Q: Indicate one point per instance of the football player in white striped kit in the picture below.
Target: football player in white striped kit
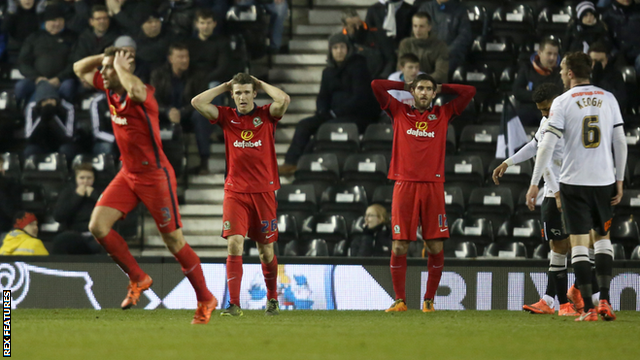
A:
(589, 120)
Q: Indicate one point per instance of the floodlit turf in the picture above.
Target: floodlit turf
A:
(167, 334)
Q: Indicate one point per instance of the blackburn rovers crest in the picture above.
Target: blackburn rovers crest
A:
(257, 121)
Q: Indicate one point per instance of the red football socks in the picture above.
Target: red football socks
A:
(399, 275)
(434, 265)
(234, 278)
(192, 269)
(119, 252)
(270, 272)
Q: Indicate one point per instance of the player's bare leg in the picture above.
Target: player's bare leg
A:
(399, 249)
(190, 263)
(604, 273)
(235, 247)
(101, 226)
(270, 271)
(435, 265)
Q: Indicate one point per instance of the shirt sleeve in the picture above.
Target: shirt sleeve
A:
(98, 81)
(268, 114)
(222, 115)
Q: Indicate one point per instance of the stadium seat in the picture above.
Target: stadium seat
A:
(480, 76)
(516, 178)
(337, 138)
(321, 170)
(513, 19)
(464, 171)
(553, 20)
(631, 84)
(542, 251)
(33, 199)
(495, 204)
(523, 212)
(251, 249)
(49, 227)
(531, 132)
(298, 201)
(11, 166)
(378, 139)
(330, 228)
(624, 231)
(366, 170)
(48, 170)
(477, 230)
(452, 148)
(506, 78)
(348, 201)
(383, 195)
(480, 140)
(478, 18)
(527, 231)
(460, 249)
(629, 204)
(497, 52)
(618, 252)
(103, 167)
(287, 229)
(453, 203)
(468, 116)
(635, 255)
(315, 247)
(511, 250)
(491, 110)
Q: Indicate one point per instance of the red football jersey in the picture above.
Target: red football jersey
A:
(250, 149)
(137, 129)
(420, 139)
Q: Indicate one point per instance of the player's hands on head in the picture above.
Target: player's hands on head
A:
(123, 59)
(532, 196)
(174, 115)
(498, 172)
(407, 86)
(616, 199)
(258, 82)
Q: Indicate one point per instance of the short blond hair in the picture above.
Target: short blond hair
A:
(380, 211)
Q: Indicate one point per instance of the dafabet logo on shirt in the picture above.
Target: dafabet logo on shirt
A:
(421, 130)
(115, 118)
(247, 135)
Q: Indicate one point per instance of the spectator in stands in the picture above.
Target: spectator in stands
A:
(586, 29)
(450, 23)
(46, 56)
(409, 69)
(623, 21)
(432, 52)
(364, 43)
(178, 15)
(543, 67)
(10, 200)
(605, 74)
(152, 43)
(129, 14)
(345, 96)
(211, 53)
(76, 14)
(375, 239)
(104, 142)
(278, 11)
(49, 123)
(20, 21)
(22, 239)
(73, 211)
(390, 30)
(141, 67)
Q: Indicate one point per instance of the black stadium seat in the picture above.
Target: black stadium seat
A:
(316, 247)
(460, 249)
(480, 140)
(479, 231)
(330, 228)
(495, 204)
(320, 170)
(337, 138)
(453, 203)
(497, 52)
(48, 170)
(298, 201)
(511, 250)
(553, 20)
(624, 231)
(480, 76)
(368, 171)
(33, 199)
(348, 201)
(11, 166)
(516, 20)
(527, 231)
(516, 178)
(464, 171)
(287, 230)
(378, 139)
(383, 195)
(478, 18)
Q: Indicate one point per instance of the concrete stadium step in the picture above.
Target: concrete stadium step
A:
(345, 3)
(204, 196)
(309, 46)
(300, 89)
(298, 104)
(311, 74)
(330, 17)
(202, 253)
(193, 240)
(202, 226)
(217, 164)
(218, 148)
(292, 119)
(300, 59)
(200, 210)
(317, 29)
(217, 181)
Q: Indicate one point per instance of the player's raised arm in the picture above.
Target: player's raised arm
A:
(465, 94)
(86, 68)
(280, 98)
(136, 89)
(202, 102)
(380, 88)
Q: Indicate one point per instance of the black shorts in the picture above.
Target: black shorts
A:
(552, 224)
(587, 207)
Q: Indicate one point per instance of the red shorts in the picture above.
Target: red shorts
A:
(157, 191)
(418, 203)
(250, 214)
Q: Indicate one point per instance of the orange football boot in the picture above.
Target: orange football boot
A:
(397, 305)
(590, 315)
(567, 310)
(575, 297)
(540, 307)
(605, 310)
(134, 291)
(204, 310)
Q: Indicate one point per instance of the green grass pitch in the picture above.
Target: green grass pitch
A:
(307, 335)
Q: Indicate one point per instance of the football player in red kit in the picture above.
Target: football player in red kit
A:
(249, 206)
(146, 176)
(417, 166)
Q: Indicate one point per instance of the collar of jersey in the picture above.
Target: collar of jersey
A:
(249, 113)
(123, 96)
(430, 108)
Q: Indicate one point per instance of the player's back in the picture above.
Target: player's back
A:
(136, 128)
(586, 115)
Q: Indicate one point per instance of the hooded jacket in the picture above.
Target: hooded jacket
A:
(529, 78)
(624, 27)
(345, 88)
(18, 242)
(374, 241)
(433, 54)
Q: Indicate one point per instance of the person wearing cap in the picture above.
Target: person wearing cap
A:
(586, 29)
(128, 14)
(152, 42)
(20, 21)
(46, 56)
(94, 40)
(345, 97)
(365, 43)
(623, 20)
(49, 123)
(22, 239)
(141, 67)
